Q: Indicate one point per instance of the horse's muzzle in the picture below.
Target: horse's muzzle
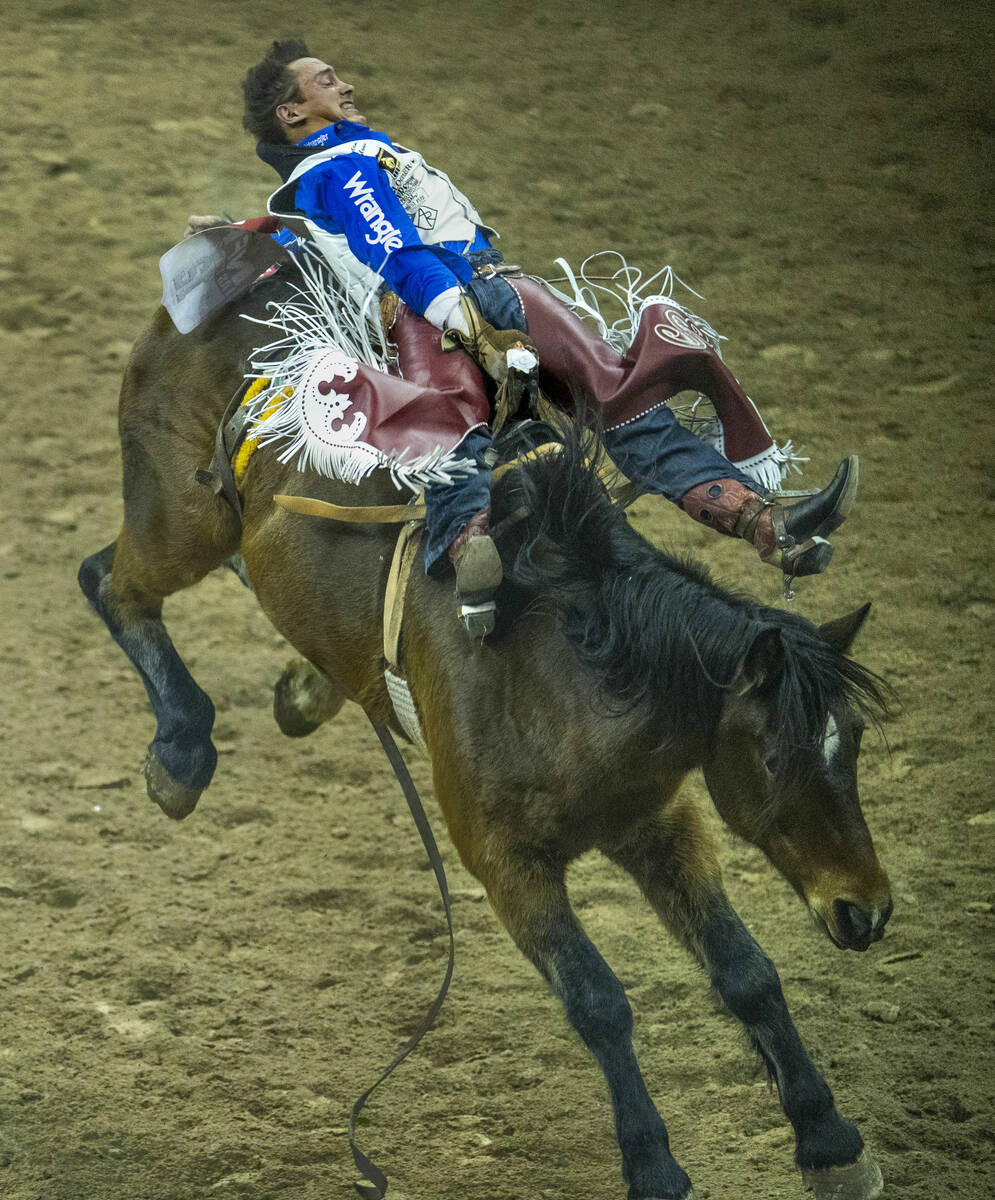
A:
(857, 928)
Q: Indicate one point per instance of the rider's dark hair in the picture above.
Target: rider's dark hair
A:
(268, 84)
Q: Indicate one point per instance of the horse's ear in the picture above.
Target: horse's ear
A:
(763, 663)
(842, 632)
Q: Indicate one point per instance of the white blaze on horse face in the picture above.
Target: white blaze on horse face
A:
(830, 740)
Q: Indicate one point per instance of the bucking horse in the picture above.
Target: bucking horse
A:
(614, 671)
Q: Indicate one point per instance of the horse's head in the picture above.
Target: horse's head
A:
(786, 779)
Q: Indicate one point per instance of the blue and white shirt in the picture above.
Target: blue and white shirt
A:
(379, 212)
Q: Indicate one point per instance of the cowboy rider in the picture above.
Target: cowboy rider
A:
(427, 243)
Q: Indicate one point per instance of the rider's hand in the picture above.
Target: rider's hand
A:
(494, 350)
(196, 223)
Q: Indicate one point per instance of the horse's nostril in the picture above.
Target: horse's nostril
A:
(854, 923)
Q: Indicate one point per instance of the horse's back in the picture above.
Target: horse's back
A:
(321, 583)
(174, 394)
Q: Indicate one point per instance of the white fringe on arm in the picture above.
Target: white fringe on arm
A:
(323, 332)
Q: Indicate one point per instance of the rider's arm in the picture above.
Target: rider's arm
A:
(349, 194)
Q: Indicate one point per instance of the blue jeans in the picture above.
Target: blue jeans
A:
(655, 451)
(450, 506)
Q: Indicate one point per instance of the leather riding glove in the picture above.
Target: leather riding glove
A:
(496, 351)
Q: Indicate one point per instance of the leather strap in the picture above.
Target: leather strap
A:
(220, 477)
(376, 1186)
(749, 515)
(405, 552)
(621, 490)
(375, 514)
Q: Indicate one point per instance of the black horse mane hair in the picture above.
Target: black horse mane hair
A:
(655, 630)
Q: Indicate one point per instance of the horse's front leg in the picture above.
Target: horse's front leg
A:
(828, 1149)
(672, 860)
(532, 903)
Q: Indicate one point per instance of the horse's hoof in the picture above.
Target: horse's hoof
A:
(175, 799)
(303, 699)
(858, 1181)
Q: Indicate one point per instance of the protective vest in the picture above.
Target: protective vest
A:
(437, 208)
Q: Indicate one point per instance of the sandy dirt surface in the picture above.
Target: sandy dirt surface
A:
(189, 1010)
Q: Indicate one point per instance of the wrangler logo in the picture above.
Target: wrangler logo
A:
(382, 232)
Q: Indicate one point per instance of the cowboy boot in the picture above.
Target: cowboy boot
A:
(790, 537)
(477, 565)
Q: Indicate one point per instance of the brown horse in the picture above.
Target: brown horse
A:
(614, 671)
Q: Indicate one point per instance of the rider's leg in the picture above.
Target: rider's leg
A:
(663, 456)
(791, 537)
(456, 517)
(454, 507)
(577, 364)
(667, 458)
(651, 446)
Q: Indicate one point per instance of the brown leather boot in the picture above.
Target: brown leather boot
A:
(790, 537)
(477, 565)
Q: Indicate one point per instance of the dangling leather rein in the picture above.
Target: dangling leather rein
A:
(376, 1186)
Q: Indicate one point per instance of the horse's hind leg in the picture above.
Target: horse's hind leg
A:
(122, 589)
(303, 698)
(532, 903)
(672, 860)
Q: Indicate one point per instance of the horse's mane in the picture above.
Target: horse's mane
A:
(655, 631)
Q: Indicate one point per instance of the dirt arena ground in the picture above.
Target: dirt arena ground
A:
(190, 1010)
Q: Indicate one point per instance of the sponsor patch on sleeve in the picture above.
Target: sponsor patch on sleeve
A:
(387, 162)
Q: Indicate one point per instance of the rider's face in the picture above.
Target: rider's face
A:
(325, 99)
